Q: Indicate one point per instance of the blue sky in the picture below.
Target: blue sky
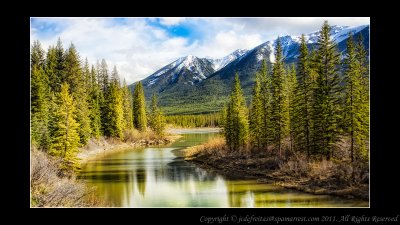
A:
(140, 46)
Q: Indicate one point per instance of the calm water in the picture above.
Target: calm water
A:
(158, 177)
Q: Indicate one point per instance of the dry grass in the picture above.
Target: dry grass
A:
(335, 172)
(215, 147)
(50, 188)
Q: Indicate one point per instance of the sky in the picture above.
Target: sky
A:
(141, 46)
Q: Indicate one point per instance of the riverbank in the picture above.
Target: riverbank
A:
(315, 177)
(104, 146)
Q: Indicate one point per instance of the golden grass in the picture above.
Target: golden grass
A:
(214, 147)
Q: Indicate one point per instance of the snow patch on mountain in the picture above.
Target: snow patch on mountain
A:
(222, 62)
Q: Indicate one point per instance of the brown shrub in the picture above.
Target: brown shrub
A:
(296, 166)
(50, 188)
(133, 135)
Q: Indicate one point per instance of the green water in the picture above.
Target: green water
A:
(158, 177)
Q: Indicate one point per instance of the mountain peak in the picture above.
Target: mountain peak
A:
(222, 62)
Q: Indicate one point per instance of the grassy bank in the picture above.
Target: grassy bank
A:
(313, 175)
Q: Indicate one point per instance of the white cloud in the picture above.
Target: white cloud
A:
(224, 43)
(138, 49)
(169, 21)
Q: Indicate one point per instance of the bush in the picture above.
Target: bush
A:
(296, 166)
(133, 135)
(51, 188)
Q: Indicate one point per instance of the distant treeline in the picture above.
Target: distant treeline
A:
(201, 120)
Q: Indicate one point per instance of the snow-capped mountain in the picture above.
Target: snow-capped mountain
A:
(222, 62)
(189, 69)
(290, 43)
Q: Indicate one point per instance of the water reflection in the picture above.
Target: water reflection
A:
(159, 177)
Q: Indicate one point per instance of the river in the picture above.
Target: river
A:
(159, 177)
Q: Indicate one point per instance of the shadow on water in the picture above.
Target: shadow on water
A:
(159, 177)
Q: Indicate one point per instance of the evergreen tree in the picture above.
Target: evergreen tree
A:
(280, 120)
(256, 115)
(265, 93)
(305, 92)
(354, 103)
(65, 139)
(39, 98)
(156, 119)
(326, 105)
(139, 108)
(102, 74)
(237, 124)
(127, 106)
(76, 80)
(292, 102)
(37, 55)
(57, 75)
(362, 57)
(114, 108)
(94, 100)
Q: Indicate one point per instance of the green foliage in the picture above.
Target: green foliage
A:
(311, 108)
(355, 110)
(279, 106)
(65, 137)
(94, 105)
(291, 87)
(326, 94)
(77, 81)
(201, 120)
(127, 106)
(256, 115)
(236, 123)
(304, 91)
(139, 108)
(265, 93)
(114, 108)
(156, 119)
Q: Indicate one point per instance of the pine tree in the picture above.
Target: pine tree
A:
(354, 103)
(303, 132)
(58, 76)
(76, 80)
(237, 124)
(114, 108)
(65, 139)
(156, 119)
(139, 108)
(326, 105)
(265, 92)
(102, 75)
(94, 105)
(292, 102)
(39, 97)
(280, 120)
(256, 115)
(362, 57)
(127, 106)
